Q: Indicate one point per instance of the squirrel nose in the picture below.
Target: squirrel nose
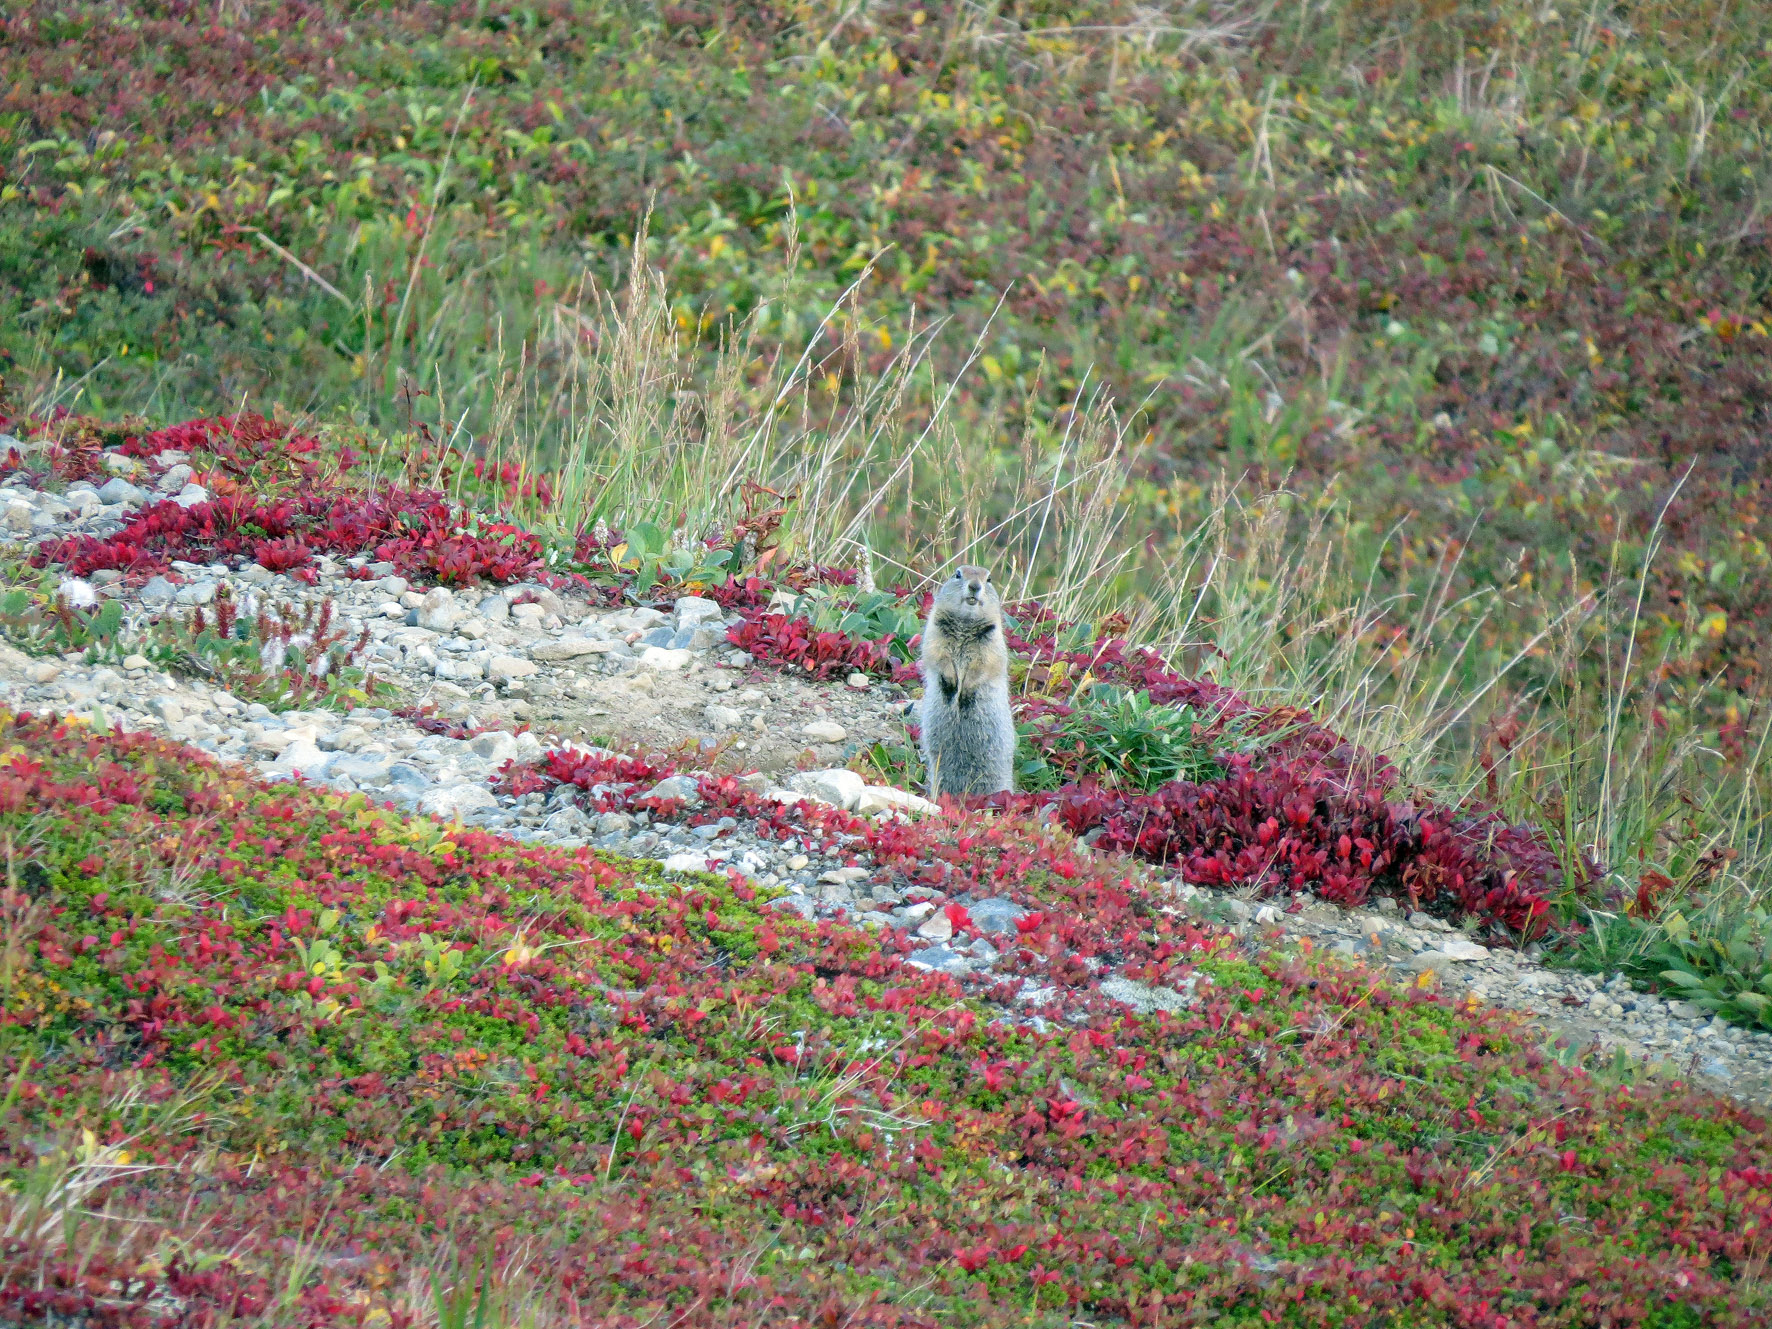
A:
(973, 587)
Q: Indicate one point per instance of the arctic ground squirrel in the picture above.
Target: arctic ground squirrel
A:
(968, 733)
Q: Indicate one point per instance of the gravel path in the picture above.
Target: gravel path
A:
(526, 656)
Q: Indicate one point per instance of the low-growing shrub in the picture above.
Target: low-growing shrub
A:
(283, 657)
(44, 621)
(873, 617)
(280, 501)
(797, 643)
(419, 532)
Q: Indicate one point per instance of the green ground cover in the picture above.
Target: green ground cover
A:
(281, 1057)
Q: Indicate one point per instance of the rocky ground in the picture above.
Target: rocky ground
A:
(529, 670)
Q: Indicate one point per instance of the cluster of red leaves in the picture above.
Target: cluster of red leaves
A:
(608, 780)
(1293, 825)
(244, 446)
(796, 643)
(419, 531)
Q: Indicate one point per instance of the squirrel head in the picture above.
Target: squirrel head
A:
(969, 591)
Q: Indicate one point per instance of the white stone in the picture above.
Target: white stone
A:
(503, 668)
(301, 756)
(937, 927)
(838, 786)
(884, 798)
(496, 747)
(722, 717)
(686, 862)
(134, 661)
(663, 657)
(691, 610)
(191, 495)
(570, 648)
(437, 612)
(683, 788)
(454, 800)
(859, 681)
(1462, 948)
(824, 731)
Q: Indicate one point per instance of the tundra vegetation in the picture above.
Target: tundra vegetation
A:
(1367, 406)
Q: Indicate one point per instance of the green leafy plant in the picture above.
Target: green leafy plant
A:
(1119, 735)
(649, 556)
(865, 615)
(1727, 973)
(43, 621)
(890, 763)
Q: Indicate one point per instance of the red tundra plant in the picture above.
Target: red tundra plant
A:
(609, 781)
(424, 535)
(795, 642)
(418, 531)
(1290, 825)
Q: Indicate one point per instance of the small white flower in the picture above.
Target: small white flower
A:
(78, 592)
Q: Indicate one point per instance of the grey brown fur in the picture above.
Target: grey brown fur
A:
(968, 733)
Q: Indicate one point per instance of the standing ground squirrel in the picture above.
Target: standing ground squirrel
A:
(968, 733)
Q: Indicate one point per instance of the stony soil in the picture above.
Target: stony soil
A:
(535, 669)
